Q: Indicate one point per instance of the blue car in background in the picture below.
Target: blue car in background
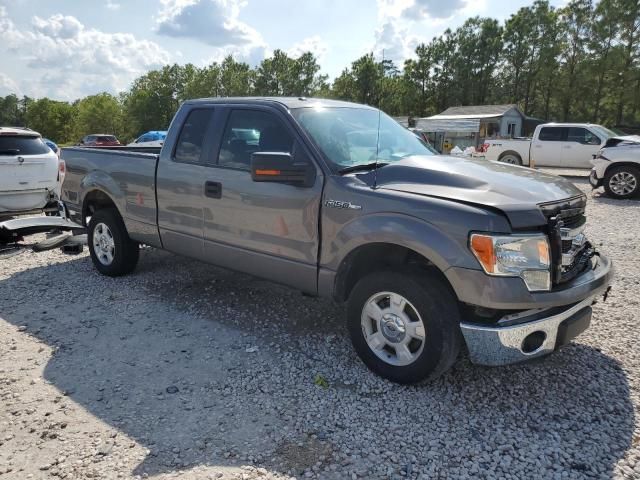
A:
(154, 138)
(54, 148)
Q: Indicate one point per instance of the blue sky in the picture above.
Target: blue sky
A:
(66, 49)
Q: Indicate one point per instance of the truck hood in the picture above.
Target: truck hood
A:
(516, 191)
(624, 139)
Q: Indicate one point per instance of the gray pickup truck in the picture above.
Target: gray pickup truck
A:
(430, 253)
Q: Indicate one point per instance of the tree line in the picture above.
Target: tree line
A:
(576, 63)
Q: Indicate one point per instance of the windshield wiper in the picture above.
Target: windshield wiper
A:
(362, 167)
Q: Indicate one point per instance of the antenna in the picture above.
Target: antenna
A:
(375, 170)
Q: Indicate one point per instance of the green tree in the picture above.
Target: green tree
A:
(52, 119)
(100, 113)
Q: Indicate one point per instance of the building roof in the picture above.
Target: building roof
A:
(436, 124)
(476, 111)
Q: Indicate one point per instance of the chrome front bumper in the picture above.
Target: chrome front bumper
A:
(526, 335)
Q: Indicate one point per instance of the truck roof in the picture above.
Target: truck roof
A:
(569, 124)
(288, 102)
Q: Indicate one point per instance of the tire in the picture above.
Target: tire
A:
(622, 182)
(113, 253)
(511, 158)
(430, 305)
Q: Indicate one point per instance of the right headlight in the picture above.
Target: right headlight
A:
(524, 256)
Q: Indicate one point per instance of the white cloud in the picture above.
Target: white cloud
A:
(8, 85)
(250, 54)
(433, 9)
(214, 22)
(111, 5)
(69, 60)
(314, 44)
(399, 18)
(393, 42)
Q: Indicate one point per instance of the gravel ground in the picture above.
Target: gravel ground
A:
(182, 370)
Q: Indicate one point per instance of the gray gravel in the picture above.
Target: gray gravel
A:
(182, 370)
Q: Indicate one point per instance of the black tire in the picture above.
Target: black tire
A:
(124, 253)
(438, 310)
(625, 171)
(512, 158)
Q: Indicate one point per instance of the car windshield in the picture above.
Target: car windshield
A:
(604, 132)
(350, 136)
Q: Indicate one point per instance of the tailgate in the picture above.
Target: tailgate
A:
(29, 172)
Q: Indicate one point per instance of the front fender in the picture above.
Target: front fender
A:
(426, 239)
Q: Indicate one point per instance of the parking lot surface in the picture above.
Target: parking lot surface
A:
(184, 370)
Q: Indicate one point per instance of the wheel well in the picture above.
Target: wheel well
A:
(510, 152)
(633, 165)
(94, 201)
(374, 257)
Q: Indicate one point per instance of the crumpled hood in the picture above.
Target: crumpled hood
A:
(613, 141)
(516, 191)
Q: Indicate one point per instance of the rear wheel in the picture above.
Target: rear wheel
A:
(622, 182)
(112, 251)
(404, 325)
(511, 158)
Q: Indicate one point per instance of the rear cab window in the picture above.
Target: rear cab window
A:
(552, 134)
(11, 145)
(191, 141)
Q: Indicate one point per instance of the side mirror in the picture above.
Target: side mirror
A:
(281, 167)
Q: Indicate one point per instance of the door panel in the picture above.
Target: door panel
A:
(579, 147)
(180, 185)
(180, 207)
(254, 225)
(263, 228)
(546, 148)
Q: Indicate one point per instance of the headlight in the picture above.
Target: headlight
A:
(524, 256)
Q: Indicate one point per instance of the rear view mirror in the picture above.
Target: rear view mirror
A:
(281, 167)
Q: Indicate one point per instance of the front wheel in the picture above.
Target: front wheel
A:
(622, 182)
(405, 326)
(112, 251)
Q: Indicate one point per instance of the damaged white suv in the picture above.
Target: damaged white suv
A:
(30, 173)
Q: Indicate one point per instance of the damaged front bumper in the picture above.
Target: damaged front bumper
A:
(536, 332)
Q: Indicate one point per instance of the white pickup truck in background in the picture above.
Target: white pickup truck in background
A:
(563, 145)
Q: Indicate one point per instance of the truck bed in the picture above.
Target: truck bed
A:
(127, 172)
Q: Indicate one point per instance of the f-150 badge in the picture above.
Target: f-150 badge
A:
(341, 204)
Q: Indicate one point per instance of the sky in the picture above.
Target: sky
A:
(67, 49)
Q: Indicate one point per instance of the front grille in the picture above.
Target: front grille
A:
(570, 250)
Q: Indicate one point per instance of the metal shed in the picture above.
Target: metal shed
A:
(471, 125)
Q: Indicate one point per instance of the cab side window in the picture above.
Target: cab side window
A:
(250, 131)
(552, 134)
(583, 136)
(190, 145)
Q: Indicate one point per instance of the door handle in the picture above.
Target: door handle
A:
(213, 189)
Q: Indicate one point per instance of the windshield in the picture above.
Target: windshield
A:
(604, 132)
(349, 136)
